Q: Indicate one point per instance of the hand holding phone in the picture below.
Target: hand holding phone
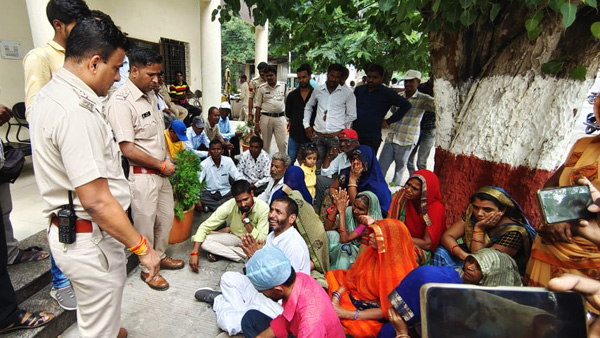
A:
(565, 204)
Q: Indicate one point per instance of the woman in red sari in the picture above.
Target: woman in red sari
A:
(419, 206)
(360, 294)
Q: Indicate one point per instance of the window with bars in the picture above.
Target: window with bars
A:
(175, 54)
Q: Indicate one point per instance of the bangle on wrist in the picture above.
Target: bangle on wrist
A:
(194, 253)
(352, 185)
(402, 335)
(476, 232)
(454, 247)
(356, 315)
(141, 249)
(336, 295)
(477, 240)
(164, 166)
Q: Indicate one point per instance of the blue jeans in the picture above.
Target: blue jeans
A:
(324, 144)
(59, 280)
(392, 152)
(423, 148)
(293, 148)
(254, 322)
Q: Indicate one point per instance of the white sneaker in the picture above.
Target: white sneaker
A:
(65, 297)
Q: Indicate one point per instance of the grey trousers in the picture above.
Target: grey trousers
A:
(12, 244)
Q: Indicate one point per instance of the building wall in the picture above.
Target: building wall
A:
(142, 19)
(152, 19)
(14, 26)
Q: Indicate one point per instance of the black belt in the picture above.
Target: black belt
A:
(273, 114)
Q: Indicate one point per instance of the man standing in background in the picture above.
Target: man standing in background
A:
(244, 96)
(294, 110)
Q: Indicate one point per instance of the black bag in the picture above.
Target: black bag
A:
(14, 159)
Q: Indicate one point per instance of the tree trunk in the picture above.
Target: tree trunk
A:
(500, 120)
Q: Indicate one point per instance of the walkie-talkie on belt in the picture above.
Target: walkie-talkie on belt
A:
(66, 222)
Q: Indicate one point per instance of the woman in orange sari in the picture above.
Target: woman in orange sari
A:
(360, 294)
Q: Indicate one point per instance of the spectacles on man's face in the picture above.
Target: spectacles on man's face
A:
(348, 140)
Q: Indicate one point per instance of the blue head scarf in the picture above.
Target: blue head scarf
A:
(372, 178)
(406, 298)
(294, 178)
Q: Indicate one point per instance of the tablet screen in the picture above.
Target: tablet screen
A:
(502, 312)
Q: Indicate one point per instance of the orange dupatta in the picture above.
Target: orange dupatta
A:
(374, 274)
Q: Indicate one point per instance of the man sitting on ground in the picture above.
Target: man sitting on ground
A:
(255, 165)
(279, 164)
(174, 136)
(307, 310)
(216, 171)
(212, 127)
(239, 295)
(197, 139)
(244, 215)
(337, 160)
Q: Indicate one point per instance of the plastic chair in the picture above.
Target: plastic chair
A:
(19, 121)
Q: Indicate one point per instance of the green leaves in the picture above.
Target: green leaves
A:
(552, 67)
(386, 5)
(555, 5)
(568, 11)
(468, 16)
(532, 25)
(494, 11)
(578, 73)
(595, 28)
(591, 3)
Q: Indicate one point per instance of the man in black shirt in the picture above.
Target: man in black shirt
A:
(294, 110)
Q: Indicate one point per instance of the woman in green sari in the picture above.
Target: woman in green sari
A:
(347, 236)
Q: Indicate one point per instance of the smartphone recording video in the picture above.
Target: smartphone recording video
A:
(565, 203)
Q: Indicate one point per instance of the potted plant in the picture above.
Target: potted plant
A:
(247, 130)
(187, 190)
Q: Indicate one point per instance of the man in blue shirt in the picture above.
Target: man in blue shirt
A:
(197, 139)
(216, 171)
(227, 132)
(372, 104)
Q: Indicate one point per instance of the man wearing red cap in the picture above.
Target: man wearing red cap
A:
(336, 160)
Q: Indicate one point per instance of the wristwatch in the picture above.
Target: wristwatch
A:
(246, 220)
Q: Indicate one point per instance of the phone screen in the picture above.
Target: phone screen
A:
(565, 203)
(497, 312)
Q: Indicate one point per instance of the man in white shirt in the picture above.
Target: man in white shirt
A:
(238, 295)
(255, 165)
(216, 171)
(244, 96)
(336, 110)
(279, 164)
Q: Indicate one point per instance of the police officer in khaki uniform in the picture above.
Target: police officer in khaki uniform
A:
(270, 110)
(133, 113)
(254, 84)
(74, 153)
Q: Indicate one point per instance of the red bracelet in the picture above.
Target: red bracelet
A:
(194, 253)
(164, 166)
(454, 247)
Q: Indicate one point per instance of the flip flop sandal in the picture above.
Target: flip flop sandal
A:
(35, 254)
(29, 320)
(212, 258)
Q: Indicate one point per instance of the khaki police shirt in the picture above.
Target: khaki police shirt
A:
(134, 117)
(271, 99)
(72, 144)
(254, 84)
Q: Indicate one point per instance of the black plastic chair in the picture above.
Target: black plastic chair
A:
(19, 121)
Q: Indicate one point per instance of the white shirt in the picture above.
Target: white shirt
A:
(294, 248)
(217, 178)
(271, 188)
(257, 171)
(339, 107)
(338, 164)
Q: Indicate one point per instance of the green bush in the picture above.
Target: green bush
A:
(187, 188)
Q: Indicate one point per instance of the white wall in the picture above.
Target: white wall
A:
(152, 19)
(14, 26)
(142, 19)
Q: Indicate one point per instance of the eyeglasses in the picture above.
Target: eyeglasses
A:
(348, 140)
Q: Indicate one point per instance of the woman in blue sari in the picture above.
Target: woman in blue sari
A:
(492, 220)
(364, 174)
